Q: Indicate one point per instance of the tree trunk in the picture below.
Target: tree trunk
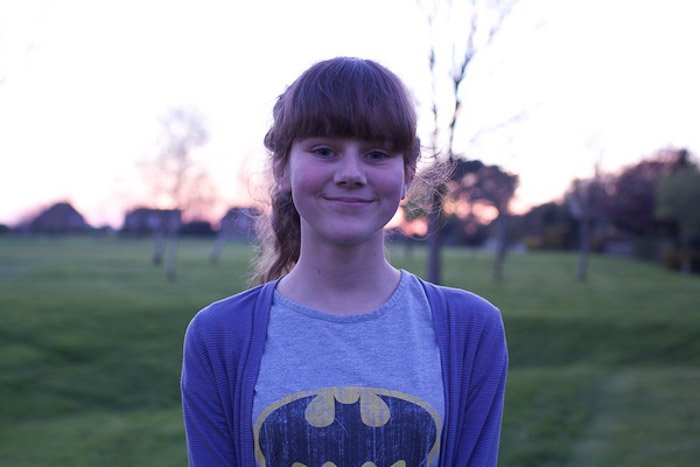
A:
(158, 247)
(172, 229)
(219, 245)
(501, 246)
(686, 260)
(434, 265)
(584, 249)
(408, 246)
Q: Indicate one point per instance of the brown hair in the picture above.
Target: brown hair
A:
(341, 97)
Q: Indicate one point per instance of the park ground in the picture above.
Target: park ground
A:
(602, 373)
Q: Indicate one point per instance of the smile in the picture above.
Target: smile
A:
(348, 200)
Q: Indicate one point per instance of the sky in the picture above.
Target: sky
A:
(85, 84)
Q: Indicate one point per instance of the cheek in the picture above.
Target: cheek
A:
(393, 186)
(305, 180)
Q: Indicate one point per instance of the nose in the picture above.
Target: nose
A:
(349, 171)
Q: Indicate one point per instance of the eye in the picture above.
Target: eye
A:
(378, 155)
(323, 152)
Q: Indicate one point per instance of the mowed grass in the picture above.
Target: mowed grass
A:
(602, 373)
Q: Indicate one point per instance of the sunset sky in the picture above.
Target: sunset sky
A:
(84, 84)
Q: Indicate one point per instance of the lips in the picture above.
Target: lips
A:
(348, 200)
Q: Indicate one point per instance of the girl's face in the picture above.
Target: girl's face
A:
(345, 190)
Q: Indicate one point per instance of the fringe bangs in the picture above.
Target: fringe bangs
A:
(349, 98)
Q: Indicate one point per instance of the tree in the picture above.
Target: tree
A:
(177, 182)
(475, 184)
(549, 226)
(678, 198)
(586, 201)
(632, 199)
(459, 30)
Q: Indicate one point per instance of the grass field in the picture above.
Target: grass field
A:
(604, 373)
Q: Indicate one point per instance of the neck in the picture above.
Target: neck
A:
(341, 280)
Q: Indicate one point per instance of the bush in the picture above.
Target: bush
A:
(673, 259)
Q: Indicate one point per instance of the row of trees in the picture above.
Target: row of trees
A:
(652, 205)
(648, 209)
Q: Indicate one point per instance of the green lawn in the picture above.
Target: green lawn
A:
(602, 373)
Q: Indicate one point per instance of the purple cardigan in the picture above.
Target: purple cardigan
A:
(224, 345)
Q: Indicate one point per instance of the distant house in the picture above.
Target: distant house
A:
(238, 222)
(61, 218)
(146, 221)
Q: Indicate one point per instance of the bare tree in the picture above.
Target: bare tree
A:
(177, 182)
(459, 31)
(176, 179)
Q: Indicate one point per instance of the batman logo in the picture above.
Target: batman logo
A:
(347, 427)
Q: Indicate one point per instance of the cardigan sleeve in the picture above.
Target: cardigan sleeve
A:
(485, 395)
(208, 434)
(474, 356)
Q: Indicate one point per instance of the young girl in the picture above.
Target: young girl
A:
(339, 358)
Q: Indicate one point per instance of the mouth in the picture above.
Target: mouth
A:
(348, 200)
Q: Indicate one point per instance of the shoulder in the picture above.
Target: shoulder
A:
(229, 307)
(234, 307)
(462, 309)
(465, 301)
(459, 300)
(230, 317)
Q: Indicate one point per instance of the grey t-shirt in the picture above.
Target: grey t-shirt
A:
(350, 389)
